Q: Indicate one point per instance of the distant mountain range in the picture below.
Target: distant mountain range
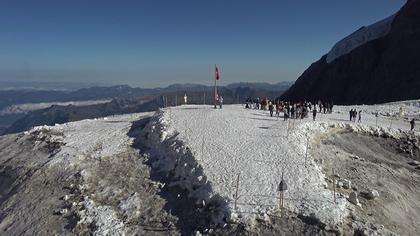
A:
(125, 99)
(376, 64)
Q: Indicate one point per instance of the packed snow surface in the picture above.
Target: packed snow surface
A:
(246, 144)
(360, 37)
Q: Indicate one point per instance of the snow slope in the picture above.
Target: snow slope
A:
(231, 142)
(87, 143)
(360, 37)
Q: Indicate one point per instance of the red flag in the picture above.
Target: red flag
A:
(217, 72)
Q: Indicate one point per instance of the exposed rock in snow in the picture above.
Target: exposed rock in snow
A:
(372, 194)
(346, 184)
(354, 199)
(360, 37)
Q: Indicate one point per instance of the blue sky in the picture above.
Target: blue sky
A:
(157, 43)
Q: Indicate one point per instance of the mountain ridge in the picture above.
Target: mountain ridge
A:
(382, 70)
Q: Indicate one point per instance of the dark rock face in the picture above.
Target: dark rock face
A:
(382, 70)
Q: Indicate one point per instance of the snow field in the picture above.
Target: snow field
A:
(208, 148)
(235, 141)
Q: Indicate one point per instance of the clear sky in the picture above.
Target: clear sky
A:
(152, 43)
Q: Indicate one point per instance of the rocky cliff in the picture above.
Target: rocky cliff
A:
(378, 63)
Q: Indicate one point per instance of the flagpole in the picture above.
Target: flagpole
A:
(215, 86)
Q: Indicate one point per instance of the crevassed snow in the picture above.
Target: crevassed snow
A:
(235, 141)
(360, 37)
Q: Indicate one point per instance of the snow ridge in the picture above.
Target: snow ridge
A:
(360, 37)
(174, 157)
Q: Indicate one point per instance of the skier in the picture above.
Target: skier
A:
(351, 114)
(360, 116)
(314, 113)
(412, 123)
(220, 101)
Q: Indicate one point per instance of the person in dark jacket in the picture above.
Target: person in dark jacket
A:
(314, 114)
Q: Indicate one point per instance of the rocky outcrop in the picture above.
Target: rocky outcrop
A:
(380, 70)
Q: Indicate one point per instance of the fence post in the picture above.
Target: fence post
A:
(334, 184)
(306, 151)
(236, 192)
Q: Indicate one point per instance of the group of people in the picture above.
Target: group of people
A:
(300, 110)
(218, 101)
(292, 110)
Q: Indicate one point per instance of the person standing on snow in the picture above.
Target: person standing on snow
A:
(351, 114)
(185, 99)
(314, 114)
(271, 108)
(412, 123)
(360, 116)
(220, 101)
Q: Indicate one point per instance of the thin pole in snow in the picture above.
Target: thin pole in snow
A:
(293, 124)
(186, 130)
(236, 192)
(202, 148)
(281, 197)
(306, 152)
(333, 183)
(390, 125)
(215, 88)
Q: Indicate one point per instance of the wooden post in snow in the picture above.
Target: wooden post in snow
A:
(281, 189)
(306, 150)
(390, 125)
(334, 183)
(236, 192)
(202, 148)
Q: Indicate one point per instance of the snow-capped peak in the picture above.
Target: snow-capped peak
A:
(360, 37)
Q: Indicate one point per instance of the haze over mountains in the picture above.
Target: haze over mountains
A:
(378, 63)
(125, 99)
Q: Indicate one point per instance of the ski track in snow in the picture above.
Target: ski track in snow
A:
(235, 141)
